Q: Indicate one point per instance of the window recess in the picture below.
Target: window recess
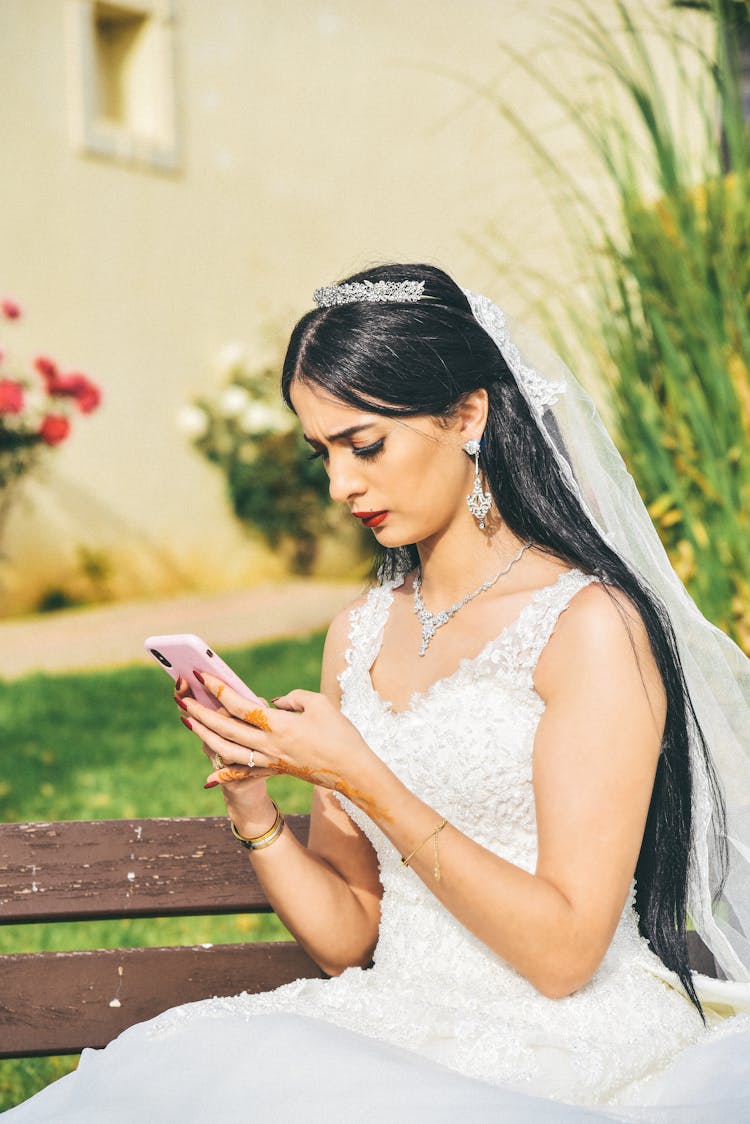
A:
(122, 80)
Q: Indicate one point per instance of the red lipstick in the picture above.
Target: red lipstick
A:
(370, 518)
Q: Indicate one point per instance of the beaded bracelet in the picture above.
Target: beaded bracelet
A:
(267, 838)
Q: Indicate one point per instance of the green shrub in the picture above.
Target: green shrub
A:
(274, 486)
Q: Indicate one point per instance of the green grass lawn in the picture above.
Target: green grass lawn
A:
(109, 745)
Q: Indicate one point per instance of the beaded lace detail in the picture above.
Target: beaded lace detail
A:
(465, 747)
(538, 391)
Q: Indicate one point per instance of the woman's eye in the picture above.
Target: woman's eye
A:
(369, 451)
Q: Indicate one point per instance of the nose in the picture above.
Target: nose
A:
(344, 479)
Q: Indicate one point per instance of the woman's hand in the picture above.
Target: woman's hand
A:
(306, 736)
(327, 891)
(243, 789)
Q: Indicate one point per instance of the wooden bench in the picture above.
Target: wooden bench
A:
(59, 1002)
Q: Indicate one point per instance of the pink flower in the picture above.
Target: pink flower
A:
(80, 388)
(88, 399)
(54, 429)
(10, 309)
(11, 396)
(47, 368)
(85, 394)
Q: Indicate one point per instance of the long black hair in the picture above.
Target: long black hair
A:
(403, 359)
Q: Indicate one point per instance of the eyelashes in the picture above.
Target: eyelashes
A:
(369, 452)
(366, 452)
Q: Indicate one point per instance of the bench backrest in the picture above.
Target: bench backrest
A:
(59, 1002)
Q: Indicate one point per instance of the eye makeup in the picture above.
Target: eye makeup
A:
(366, 452)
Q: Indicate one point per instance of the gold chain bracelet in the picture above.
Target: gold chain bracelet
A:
(434, 837)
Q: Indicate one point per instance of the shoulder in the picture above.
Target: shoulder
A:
(599, 634)
(600, 614)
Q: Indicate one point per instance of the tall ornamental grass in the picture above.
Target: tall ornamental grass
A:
(666, 260)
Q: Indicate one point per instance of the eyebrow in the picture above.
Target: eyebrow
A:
(342, 433)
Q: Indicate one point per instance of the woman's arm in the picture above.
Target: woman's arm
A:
(328, 894)
(595, 757)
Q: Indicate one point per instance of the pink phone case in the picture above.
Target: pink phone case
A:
(183, 654)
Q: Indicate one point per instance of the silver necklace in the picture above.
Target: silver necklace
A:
(431, 622)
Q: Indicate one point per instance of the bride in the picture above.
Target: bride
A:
(514, 756)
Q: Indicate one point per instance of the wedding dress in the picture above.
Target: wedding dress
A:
(439, 1028)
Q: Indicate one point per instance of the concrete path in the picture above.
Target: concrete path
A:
(109, 635)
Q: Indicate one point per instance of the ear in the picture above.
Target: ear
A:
(472, 415)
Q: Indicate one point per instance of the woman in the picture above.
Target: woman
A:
(513, 795)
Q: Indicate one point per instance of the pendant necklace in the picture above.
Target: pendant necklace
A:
(431, 622)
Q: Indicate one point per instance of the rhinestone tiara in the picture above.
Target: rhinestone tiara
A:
(372, 291)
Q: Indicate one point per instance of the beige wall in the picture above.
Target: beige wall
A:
(315, 138)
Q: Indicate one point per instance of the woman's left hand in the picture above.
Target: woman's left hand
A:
(305, 736)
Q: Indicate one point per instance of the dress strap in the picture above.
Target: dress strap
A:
(537, 621)
(366, 624)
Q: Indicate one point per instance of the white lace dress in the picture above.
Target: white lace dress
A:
(440, 1028)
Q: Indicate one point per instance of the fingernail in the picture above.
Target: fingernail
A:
(186, 723)
(199, 677)
(179, 702)
(179, 683)
(210, 784)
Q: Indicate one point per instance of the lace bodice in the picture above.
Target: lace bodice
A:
(465, 745)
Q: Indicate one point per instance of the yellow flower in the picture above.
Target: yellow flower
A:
(683, 560)
(739, 375)
(701, 534)
(660, 505)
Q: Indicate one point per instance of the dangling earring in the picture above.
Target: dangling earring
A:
(478, 501)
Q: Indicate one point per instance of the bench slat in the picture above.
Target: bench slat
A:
(58, 1003)
(138, 868)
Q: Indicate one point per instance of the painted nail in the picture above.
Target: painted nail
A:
(199, 677)
(186, 723)
(211, 784)
(179, 702)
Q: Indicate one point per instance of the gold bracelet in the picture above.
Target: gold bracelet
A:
(434, 836)
(258, 842)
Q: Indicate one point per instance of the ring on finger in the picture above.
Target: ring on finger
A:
(251, 759)
(218, 761)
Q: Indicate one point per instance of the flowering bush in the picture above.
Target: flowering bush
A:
(35, 411)
(274, 486)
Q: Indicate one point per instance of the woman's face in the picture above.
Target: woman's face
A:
(405, 478)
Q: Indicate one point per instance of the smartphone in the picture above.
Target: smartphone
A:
(183, 654)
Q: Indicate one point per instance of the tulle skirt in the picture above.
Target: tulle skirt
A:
(283, 1067)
